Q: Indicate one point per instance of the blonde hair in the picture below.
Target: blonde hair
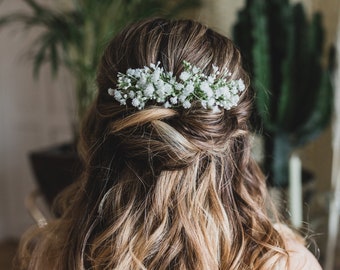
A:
(162, 188)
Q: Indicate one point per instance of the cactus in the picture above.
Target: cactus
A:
(293, 103)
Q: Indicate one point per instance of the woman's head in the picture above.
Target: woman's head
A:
(167, 188)
(170, 43)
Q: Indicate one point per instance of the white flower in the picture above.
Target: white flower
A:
(179, 86)
(241, 85)
(211, 102)
(216, 109)
(160, 93)
(139, 94)
(234, 100)
(195, 70)
(189, 88)
(182, 98)
(111, 91)
(173, 100)
(153, 83)
(225, 92)
(184, 76)
(132, 94)
(206, 89)
(135, 102)
(172, 80)
(186, 104)
(118, 95)
(168, 88)
(156, 74)
(122, 101)
(153, 66)
(142, 80)
(127, 80)
(149, 90)
(211, 79)
(234, 90)
(131, 72)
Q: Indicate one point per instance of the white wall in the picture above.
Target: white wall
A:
(33, 114)
(220, 15)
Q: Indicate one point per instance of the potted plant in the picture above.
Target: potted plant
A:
(74, 36)
(294, 95)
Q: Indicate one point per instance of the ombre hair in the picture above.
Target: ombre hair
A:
(162, 188)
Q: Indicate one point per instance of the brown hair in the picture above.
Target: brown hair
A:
(163, 188)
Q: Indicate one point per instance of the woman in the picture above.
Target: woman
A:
(169, 182)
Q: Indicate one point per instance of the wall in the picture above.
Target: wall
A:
(33, 115)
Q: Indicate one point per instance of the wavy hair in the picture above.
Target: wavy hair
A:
(162, 188)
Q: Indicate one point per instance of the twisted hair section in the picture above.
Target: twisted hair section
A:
(163, 188)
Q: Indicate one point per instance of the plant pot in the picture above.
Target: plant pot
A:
(55, 168)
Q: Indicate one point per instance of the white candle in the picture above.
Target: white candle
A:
(295, 190)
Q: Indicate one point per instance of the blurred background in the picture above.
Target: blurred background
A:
(48, 54)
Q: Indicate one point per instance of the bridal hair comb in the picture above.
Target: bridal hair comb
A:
(152, 83)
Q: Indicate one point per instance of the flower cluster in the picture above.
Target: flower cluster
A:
(154, 84)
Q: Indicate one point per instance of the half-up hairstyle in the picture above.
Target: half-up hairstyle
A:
(163, 188)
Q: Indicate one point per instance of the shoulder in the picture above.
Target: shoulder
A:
(300, 258)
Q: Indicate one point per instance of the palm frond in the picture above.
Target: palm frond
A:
(76, 37)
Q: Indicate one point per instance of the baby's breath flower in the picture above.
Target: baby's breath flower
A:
(149, 90)
(168, 89)
(156, 75)
(132, 94)
(118, 95)
(131, 72)
(111, 91)
(184, 76)
(154, 84)
(190, 87)
(167, 105)
(142, 80)
(186, 104)
(179, 86)
(241, 84)
(161, 93)
(211, 102)
(182, 98)
(205, 87)
(195, 70)
(173, 100)
(211, 79)
(216, 109)
(135, 102)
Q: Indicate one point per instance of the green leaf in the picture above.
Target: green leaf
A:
(76, 38)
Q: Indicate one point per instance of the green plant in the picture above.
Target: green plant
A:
(75, 36)
(293, 91)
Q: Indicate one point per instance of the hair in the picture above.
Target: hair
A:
(162, 188)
